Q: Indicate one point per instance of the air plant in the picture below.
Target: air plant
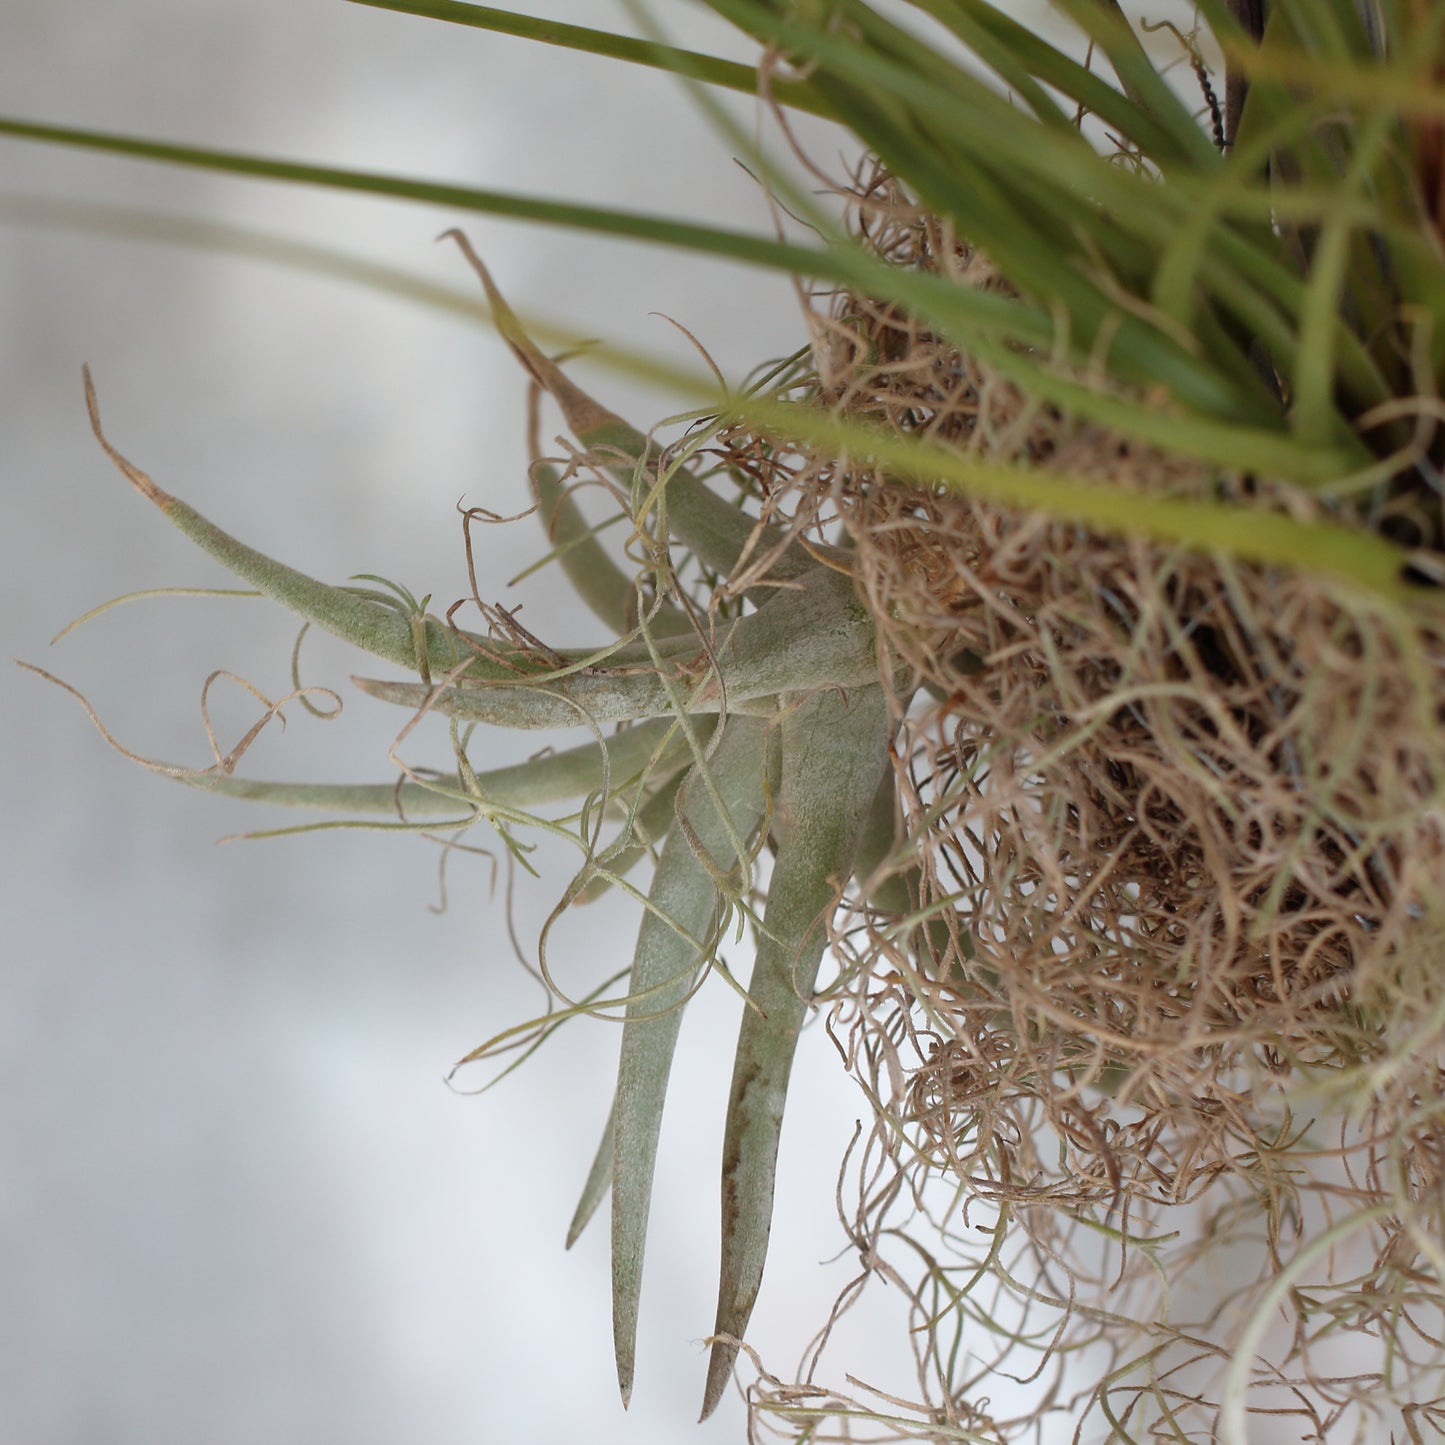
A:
(776, 722)
(1072, 618)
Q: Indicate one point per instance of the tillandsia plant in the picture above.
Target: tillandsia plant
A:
(1068, 626)
(778, 718)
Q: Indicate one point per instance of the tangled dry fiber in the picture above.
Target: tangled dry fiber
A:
(1172, 835)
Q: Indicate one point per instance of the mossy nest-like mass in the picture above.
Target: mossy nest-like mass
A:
(1170, 846)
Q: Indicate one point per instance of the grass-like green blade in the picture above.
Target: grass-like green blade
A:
(834, 753)
(1365, 560)
(1106, 25)
(1024, 83)
(606, 44)
(662, 230)
(673, 944)
(134, 223)
(573, 773)
(1015, 336)
(1002, 330)
(1024, 61)
(1114, 215)
(1033, 198)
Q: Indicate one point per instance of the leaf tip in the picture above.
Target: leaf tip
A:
(719, 1372)
(132, 473)
(583, 414)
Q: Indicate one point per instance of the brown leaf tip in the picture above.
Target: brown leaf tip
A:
(583, 414)
(138, 479)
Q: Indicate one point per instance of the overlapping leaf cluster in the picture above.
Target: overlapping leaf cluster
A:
(771, 725)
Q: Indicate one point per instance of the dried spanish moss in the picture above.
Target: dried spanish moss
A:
(1179, 1000)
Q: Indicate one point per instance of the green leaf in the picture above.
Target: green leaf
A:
(573, 773)
(716, 531)
(378, 628)
(815, 635)
(727, 74)
(602, 220)
(1344, 553)
(598, 1182)
(685, 917)
(835, 751)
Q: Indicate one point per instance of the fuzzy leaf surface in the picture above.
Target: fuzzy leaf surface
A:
(684, 917)
(834, 753)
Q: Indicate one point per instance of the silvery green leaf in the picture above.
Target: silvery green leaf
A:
(835, 751)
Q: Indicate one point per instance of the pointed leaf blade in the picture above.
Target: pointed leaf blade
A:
(835, 751)
(673, 944)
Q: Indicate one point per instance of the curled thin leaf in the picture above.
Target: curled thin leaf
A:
(647, 827)
(610, 593)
